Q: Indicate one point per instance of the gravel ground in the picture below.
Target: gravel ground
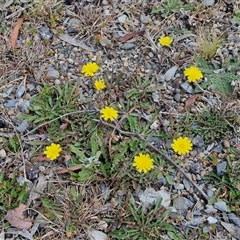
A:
(52, 51)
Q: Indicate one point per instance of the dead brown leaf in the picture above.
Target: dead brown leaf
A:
(16, 218)
(41, 158)
(15, 33)
(70, 169)
(190, 101)
(130, 35)
(64, 126)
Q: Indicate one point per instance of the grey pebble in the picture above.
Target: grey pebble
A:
(3, 153)
(45, 33)
(52, 74)
(162, 181)
(197, 213)
(221, 167)
(24, 106)
(176, 97)
(182, 203)
(234, 218)
(23, 126)
(179, 186)
(208, 3)
(210, 209)
(218, 149)
(187, 87)
(195, 168)
(221, 206)
(226, 144)
(127, 46)
(212, 220)
(170, 73)
(9, 91)
(209, 192)
(145, 19)
(122, 18)
(156, 96)
(186, 183)
(20, 91)
(195, 222)
(198, 141)
(10, 103)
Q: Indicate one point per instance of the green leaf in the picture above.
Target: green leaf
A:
(84, 174)
(169, 180)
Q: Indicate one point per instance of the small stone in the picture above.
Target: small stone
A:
(226, 144)
(162, 181)
(182, 203)
(217, 149)
(52, 74)
(208, 3)
(234, 218)
(145, 19)
(73, 25)
(221, 167)
(209, 192)
(24, 106)
(177, 97)
(23, 126)
(198, 141)
(195, 222)
(10, 103)
(221, 206)
(156, 96)
(3, 153)
(150, 196)
(195, 168)
(212, 220)
(45, 33)
(170, 73)
(179, 186)
(122, 18)
(186, 183)
(210, 209)
(187, 87)
(20, 91)
(127, 46)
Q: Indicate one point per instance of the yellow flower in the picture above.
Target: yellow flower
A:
(53, 151)
(182, 145)
(109, 113)
(99, 85)
(193, 74)
(143, 162)
(165, 41)
(90, 69)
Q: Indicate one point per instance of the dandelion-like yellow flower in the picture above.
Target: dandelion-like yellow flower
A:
(165, 41)
(99, 85)
(53, 151)
(109, 113)
(90, 69)
(182, 145)
(143, 162)
(193, 74)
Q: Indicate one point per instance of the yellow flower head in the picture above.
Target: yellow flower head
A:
(53, 151)
(165, 41)
(90, 69)
(193, 74)
(109, 113)
(99, 85)
(182, 145)
(143, 162)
